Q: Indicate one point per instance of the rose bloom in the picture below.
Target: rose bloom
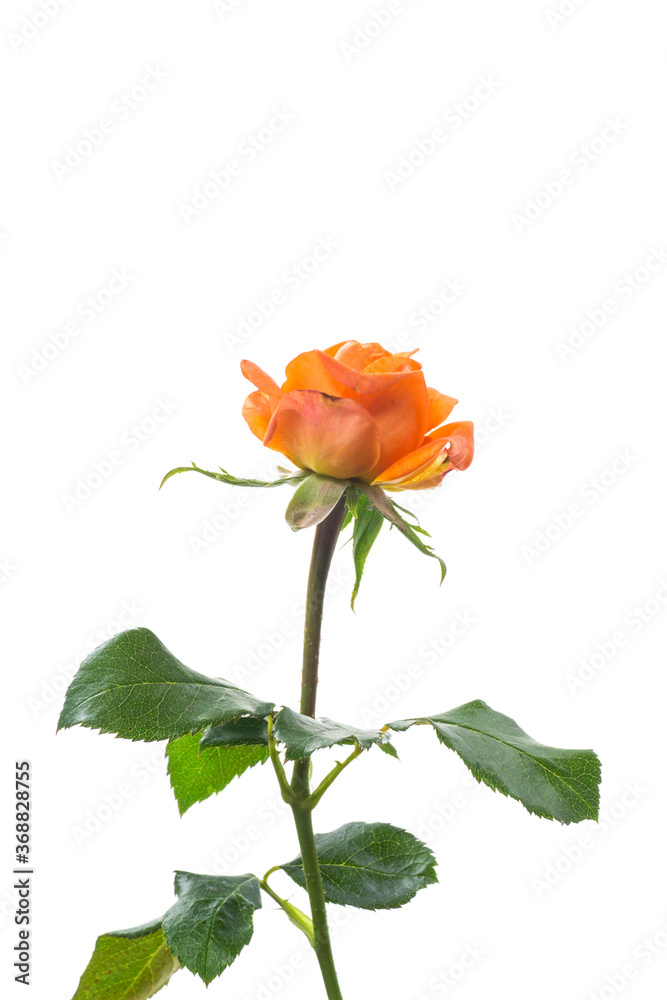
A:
(356, 411)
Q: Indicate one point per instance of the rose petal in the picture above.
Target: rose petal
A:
(441, 407)
(257, 412)
(358, 383)
(260, 379)
(331, 436)
(402, 415)
(461, 442)
(422, 463)
(423, 484)
(335, 348)
(359, 356)
(310, 371)
(393, 363)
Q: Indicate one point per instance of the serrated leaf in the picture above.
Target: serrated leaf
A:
(212, 921)
(134, 687)
(367, 524)
(301, 735)
(382, 503)
(128, 965)
(247, 731)
(389, 749)
(369, 865)
(315, 498)
(197, 773)
(225, 477)
(552, 783)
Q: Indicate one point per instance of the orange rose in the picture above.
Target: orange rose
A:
(356, 411)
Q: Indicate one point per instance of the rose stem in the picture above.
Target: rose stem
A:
(326, 536)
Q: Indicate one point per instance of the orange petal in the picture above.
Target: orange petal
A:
(333, 351)
(310, 371)
(402, 414)
(441, 407)
(375, 350)
(381, 374)
(424, 484)
(257, 411)
(421, 464)
(393, 363)
(317, 370)
(461, 442)
(346, 351)
(260, 379)
(359, 356)
(331, 436)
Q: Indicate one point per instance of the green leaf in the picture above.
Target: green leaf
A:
(196, 774)
(555, 784)
(128, 965)
(134, 687)
(389, 749)
(315, 498)
(301, 735)
(212, 921)
(226, 477)
(370, 865)
(247, 731)
(385, 506)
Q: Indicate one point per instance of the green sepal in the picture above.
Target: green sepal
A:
(212, 921)
(290, 478)
(347, 520)
(552, 783)
(389, 510)
(372, 866)
(314, 499)
(134, 687)
(367, 524)
(196, 773)
(128, 965)
(302, 735)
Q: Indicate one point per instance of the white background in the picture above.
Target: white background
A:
(548, 910)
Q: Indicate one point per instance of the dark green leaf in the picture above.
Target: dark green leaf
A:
(367, 526)
(134, 687)
(370, 865)
(247, 731)
(225, 477)
(212, 921)
(196, 774)
(555, 784)
(315, 498)
(302, 736)
(387, 508)
(128, 965)
(389, 749)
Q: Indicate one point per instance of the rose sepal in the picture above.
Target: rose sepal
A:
(289, 479)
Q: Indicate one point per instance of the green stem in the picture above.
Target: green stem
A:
(285, 787)
(297, 916)
(326, 782)
(326, 536)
